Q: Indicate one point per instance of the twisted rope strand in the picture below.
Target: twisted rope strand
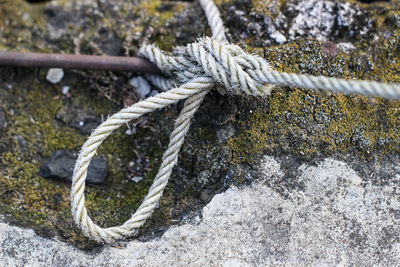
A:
(195, 90)
(367, 88)
(197, 68)
(214, 20)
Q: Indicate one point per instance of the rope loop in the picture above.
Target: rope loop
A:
(192, 71)
(193, 87)
(195, 91)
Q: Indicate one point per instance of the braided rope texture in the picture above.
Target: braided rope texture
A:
(192, 71)
(194, 89)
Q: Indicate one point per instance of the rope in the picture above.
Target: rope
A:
(197, 68)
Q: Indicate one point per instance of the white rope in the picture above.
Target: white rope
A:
(214, 20)
(194, 90)
(198, 67)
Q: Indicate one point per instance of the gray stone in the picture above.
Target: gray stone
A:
(204, 177)
(65, 89)
(136, 179)
(325, 19)
(345, 15)
(201, 156)
(278, 37)
(137, 169)
(335, 219)
(315, 18)
(55, 75)
(143, 88)
(61, 165)
(237, 18)
(59, 20)
(251, 24)
(153, 93)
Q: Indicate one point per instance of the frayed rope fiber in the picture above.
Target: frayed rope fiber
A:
(193, 71)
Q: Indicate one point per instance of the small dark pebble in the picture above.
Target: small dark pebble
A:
(61, 165)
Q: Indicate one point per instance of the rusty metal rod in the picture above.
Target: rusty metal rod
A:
(134, 64)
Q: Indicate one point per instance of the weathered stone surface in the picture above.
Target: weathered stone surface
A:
(61, 165)
(334, 217)
(326, 19)
(295, 123)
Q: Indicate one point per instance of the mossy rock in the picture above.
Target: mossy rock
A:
(297, 122)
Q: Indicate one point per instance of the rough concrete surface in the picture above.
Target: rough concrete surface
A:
(325, 195)
(344, 39)
(338, 219)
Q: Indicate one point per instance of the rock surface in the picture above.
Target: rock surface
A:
(228, 136)
(326, 19)
(338, 218)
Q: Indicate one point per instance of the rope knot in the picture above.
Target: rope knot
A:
(192, 71)
(233, 70)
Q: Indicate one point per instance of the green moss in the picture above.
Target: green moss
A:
(161, 11)
(266, 7)
(22, 24)
(310, 124)
(43, 204)
(292, 121)
(31, 106)
(292, 125)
